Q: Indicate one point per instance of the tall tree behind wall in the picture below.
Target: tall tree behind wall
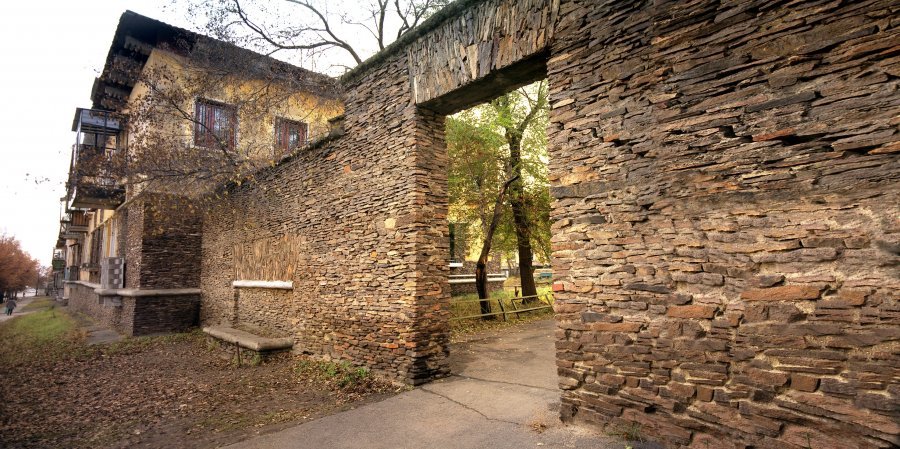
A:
(522, 115)
(498, 163)
(478, 183)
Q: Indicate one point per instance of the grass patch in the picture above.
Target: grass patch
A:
(630, 432)
(44, 335)
(466, 305)
(340, 374)
(38, 304)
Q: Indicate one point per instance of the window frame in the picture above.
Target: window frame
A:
(282, 139)
(204, 132)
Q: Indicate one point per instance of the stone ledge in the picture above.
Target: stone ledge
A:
(249, 341)
(283, 285)
(84, 284)
(134, 292)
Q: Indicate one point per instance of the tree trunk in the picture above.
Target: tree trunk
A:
(481, 265)
(520, 218)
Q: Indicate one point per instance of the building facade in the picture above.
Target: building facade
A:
(170, 122)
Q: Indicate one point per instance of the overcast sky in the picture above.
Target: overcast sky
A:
(51, 52)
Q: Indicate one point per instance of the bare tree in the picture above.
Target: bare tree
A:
(315, 27)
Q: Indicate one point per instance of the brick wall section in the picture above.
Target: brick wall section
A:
(141, 315)
(162, 243)
(83, 299)
(170, 249)
(162, 314)
(371, 282)
(726, 220)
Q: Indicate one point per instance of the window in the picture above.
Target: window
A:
(289, 134)
(215, 125)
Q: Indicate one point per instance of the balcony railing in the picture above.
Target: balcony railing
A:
(72, 231)
(94, 180)
(97, 169)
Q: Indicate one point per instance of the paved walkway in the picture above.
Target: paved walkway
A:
(19, 310)
(505, 386)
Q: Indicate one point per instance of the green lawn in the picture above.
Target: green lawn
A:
(468, 305)
(38, 303)
(37, 335)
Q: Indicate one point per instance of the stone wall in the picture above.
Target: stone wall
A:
(161, 242)
(726, 226)
(83, 299)
(133, 218)
(272, 310)
(134, 315)
(163, 313)
(370, 279)
(725, 238)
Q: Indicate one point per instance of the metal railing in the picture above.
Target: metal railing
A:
(544, 299)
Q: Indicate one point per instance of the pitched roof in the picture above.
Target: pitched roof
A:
(137, 36)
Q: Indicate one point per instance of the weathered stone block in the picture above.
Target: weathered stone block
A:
(802, 382)
(691, 311)
(783, 293)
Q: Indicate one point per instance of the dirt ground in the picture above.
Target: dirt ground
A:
(160, 392)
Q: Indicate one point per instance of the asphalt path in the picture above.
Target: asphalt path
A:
(503, 394)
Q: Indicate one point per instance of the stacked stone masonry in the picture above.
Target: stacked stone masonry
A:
(136, 315)
(83, 299)
(726, 232)
(741, 286)
(364, 289)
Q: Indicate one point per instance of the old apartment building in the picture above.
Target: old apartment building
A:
(175, 115)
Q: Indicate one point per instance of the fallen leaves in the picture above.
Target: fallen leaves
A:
(156, 392)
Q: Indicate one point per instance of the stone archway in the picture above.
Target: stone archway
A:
(725, 211)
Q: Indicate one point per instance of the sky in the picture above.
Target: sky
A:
(51, 52)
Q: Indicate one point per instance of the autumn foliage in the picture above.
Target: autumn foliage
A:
(17, 269)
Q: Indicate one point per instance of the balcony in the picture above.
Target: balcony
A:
(71, 273)
(74, 221)
(94, 179)
(96, 171)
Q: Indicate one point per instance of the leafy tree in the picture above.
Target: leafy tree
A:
(498, 178)
(18, 270)
(520, 114)
(479, 179)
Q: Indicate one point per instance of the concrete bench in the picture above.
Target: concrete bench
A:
(249, 341)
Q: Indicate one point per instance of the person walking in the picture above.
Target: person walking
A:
(10, 305)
